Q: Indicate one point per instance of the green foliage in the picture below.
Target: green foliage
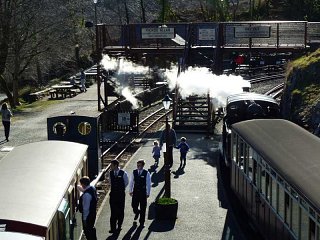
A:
(166, 201)
(306, 61)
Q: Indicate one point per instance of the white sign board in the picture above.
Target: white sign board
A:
(159, 32)
(207, 34)
(252, 32)
(124, 119)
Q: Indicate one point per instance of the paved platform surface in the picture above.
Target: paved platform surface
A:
(203, 211)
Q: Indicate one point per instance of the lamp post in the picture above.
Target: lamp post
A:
(97, 56)
(167, 182)
(95, 11)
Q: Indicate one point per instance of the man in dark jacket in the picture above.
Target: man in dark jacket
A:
(118, 181)
(88, 207)
(172, 140)
(140, 186)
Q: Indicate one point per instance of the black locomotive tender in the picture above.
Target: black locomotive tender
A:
(241, 107)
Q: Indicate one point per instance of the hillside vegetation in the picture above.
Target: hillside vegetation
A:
(301, 99)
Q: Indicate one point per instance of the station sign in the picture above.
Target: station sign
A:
(207, 34)
(124, 119)
(261, 31)
(158, 32)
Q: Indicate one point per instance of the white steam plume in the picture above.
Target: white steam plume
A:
(129, 96)
(124, 69)
(201, 81)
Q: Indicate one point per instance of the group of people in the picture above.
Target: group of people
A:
(139, 189)
(172, 139)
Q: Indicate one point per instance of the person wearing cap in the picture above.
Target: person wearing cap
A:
(140, 186)
(119, 181)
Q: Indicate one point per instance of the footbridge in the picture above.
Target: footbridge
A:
(209, 42)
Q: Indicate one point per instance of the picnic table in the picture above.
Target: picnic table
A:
(62, 90)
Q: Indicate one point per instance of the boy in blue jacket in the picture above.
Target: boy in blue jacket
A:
(184, 148)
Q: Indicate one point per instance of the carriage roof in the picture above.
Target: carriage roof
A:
(34, 178)
(289, 149)
(247, 96)
(18, 236)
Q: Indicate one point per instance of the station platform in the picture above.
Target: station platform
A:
(203, 211)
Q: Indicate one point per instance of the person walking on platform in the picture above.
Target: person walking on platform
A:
(140, 187)
(88, 207)
(6, 120)
(184, 148)
(156, 152)
(172, 140)
(119, 181)
(83, 81)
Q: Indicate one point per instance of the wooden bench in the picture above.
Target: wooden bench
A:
(38, 95)
(64, 94)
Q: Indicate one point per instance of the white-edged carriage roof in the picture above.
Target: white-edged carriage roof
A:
(34, 178)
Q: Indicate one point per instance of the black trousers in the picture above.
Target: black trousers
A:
(170, 156)
(6, 125)
(88, 227)
(139, 199)
(117, 204)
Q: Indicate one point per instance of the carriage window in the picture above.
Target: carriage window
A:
(245, 158)
(281, 199)
(312, 230)
(274, 194)
(262, 180)
(234, 147)
(295, 215)
(84, 128)
(255, 172)
(59, 128)
(287, 201)
(250, 164)
(304, 226)
(268, 187)
(241, 154)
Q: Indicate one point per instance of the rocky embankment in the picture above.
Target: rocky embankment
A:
(301, 99)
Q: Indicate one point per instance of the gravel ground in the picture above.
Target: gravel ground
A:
(31, 124)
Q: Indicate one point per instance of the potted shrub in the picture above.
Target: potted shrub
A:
(166, 208)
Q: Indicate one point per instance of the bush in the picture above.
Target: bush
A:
(166, 201)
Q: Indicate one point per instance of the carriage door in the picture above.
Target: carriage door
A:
(64, 219)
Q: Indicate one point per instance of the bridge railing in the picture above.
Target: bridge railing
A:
(255, 34)
(283, 34)
(313, 32)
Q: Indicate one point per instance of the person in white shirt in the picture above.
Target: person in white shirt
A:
(119, 181)
(88, 207)
(140, 186)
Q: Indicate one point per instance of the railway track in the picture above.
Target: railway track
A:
(276, 91)
(126, 145)
(265, 78)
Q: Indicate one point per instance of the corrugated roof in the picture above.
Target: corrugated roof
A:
(34, 178)
(249, 96)
(290, 150)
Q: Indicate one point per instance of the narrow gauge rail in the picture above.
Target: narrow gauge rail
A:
(275, 176)
(126, 146)
(276, 92)
(265, 78)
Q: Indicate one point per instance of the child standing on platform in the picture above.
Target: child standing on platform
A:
(156, 152)
(184, 148)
